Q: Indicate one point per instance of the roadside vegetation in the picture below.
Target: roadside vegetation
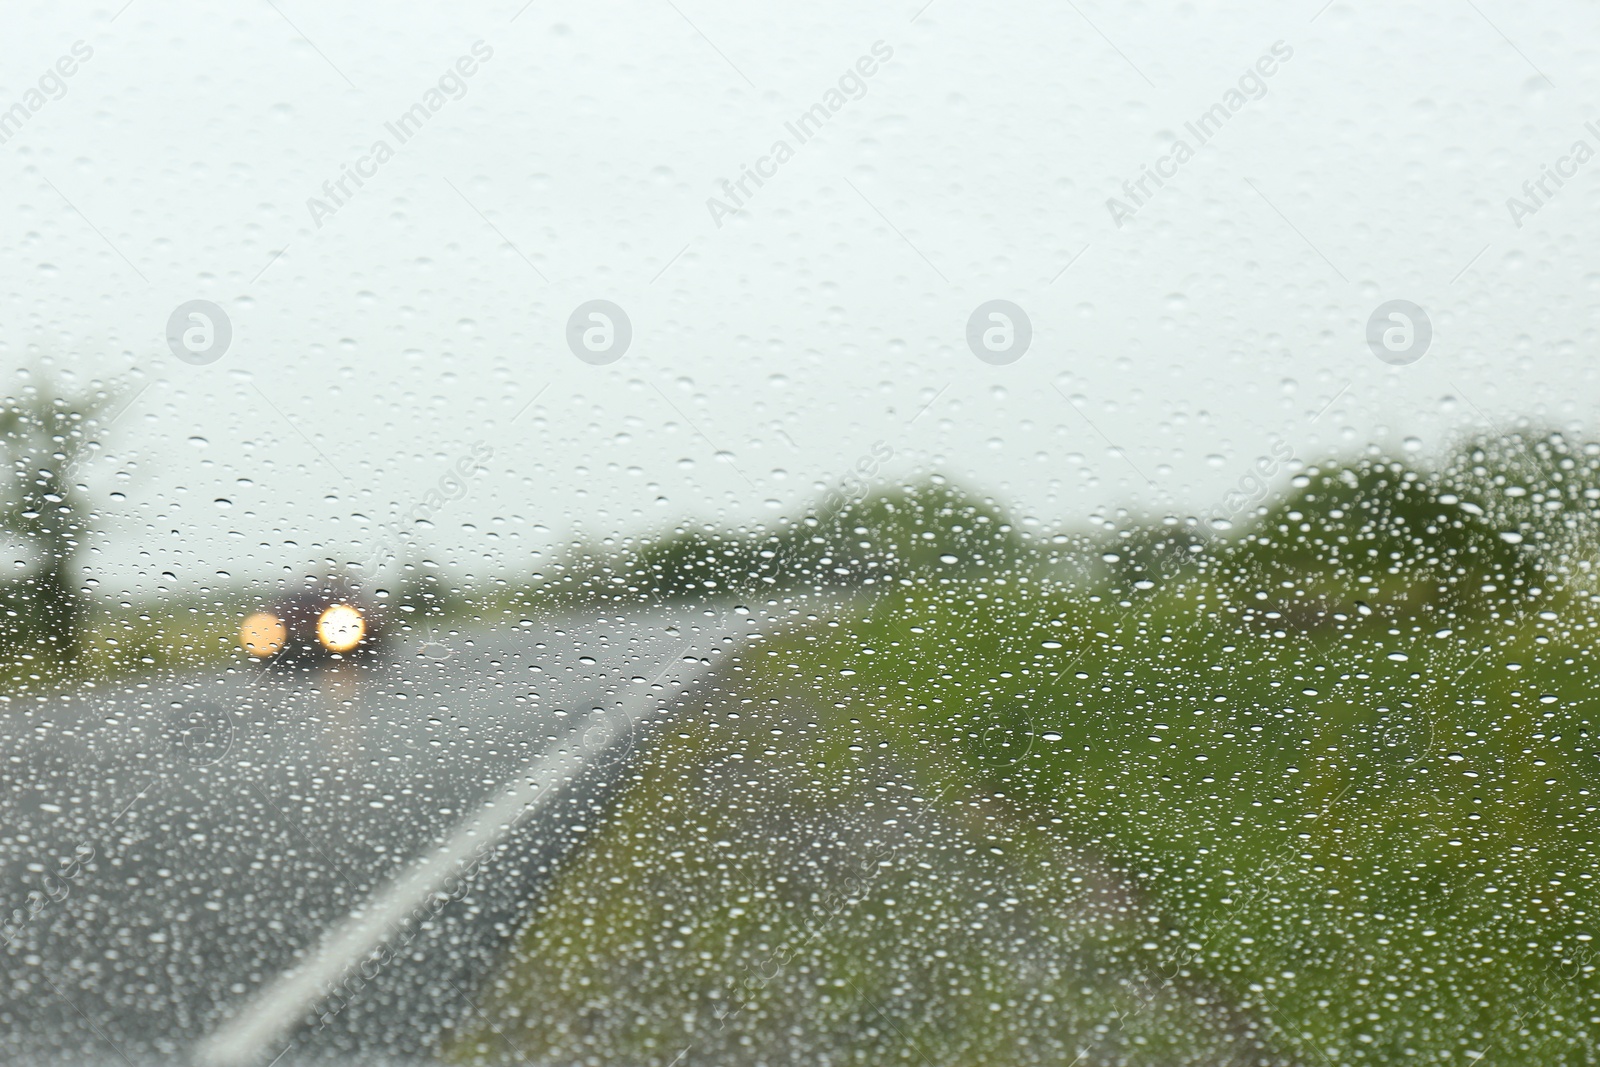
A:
(1323, 791)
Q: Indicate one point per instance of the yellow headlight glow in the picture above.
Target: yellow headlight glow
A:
(262, 634)
(341, 628)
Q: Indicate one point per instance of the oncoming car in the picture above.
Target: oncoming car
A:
(329, 622)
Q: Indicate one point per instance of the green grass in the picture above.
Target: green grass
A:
(1311, 808)
(130, 642)
(1358, 829)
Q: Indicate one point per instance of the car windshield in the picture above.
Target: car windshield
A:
(685, 533)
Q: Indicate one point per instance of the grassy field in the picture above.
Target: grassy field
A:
(1320, 792)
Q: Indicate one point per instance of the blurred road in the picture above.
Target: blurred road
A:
(226, 826)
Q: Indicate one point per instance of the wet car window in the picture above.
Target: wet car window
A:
(689, 533)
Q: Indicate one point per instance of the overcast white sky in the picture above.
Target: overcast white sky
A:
(772, 352)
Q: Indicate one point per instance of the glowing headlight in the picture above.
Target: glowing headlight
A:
(341, 628)
(262, 634)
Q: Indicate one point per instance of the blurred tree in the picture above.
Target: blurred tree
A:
(1502, 512)
(850, 540)
(44, 511)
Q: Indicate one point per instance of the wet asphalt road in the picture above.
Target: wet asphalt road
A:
(187, 841)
